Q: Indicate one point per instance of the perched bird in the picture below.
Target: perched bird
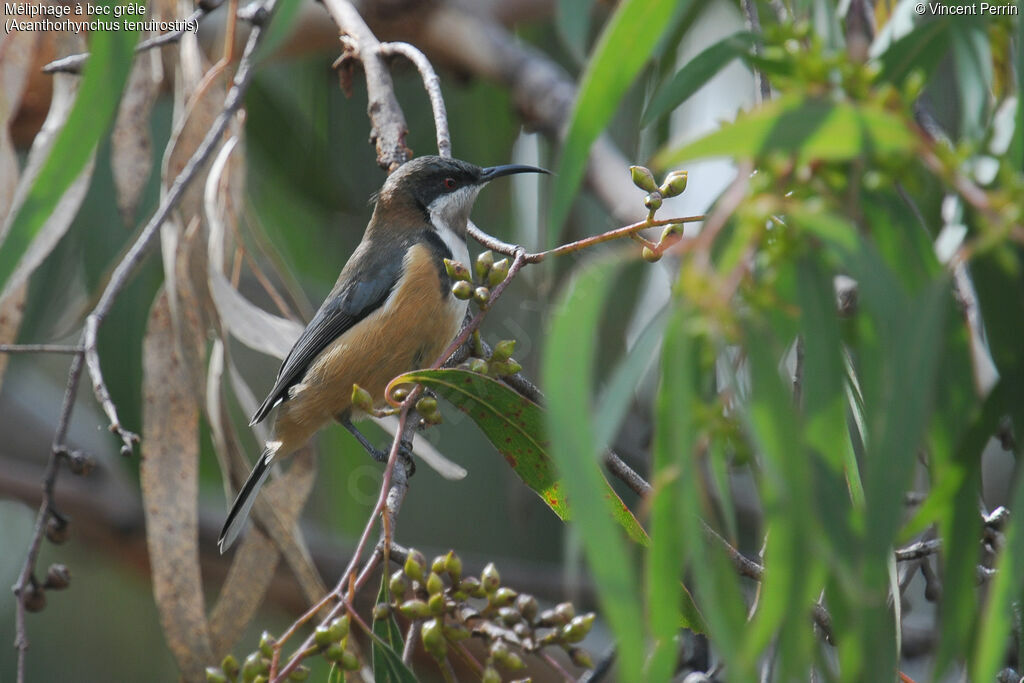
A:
(391, 311)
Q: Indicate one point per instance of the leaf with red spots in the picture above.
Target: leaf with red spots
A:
(515, 425)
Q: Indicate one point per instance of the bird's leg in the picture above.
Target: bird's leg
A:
(380, 455)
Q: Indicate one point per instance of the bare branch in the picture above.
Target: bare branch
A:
(432, 84)
(40, 348)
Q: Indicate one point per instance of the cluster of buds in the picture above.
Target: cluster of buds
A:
(256, 668)
(452, 607)
(674, 184)
(499, 364)
(489, 273)
(58, 577)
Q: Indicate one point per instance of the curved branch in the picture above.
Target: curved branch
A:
(389, 127)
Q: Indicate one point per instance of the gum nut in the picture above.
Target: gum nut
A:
(643, 178)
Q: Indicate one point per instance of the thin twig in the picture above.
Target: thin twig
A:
(618, 467)
(411, 638)
(916, 551)
(40, 348)
(87, 357)
(432, 84)
(72, 64)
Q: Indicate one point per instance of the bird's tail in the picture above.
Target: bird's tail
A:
(246, 497)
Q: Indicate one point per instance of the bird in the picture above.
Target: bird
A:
(391, 311)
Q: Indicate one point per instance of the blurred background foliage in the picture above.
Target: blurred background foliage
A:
(814, 436)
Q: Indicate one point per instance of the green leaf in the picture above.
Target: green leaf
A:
(697, 72)
(624, 46)
(388, 666)
(618, 393)
(104, 78)
(923, 48)
(515, 425)
(567, 370)
(810, 128)
(973, 58)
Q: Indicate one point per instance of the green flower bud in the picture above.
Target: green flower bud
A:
(339, 627)
(361, 399)
(503, 368)
(482, 295)
(643, 178)
(527, 606)
(453, 565)
(503, 350)
(434, 584)
(499, 271)
(675, 183)
(513, 662)
(414, 562)
(215, 675)
(398, 585)
(267, 643)
(426, 406)
(650, 255)
(491, 675)
(254, 666)
(230, 666)
(348, 661)
(437, 566)
(490, 579)
(478, 365)
(456, 270)
(483, 264)
(502, 597)
(400, 394)
(301, 673)
(472, 586)
(577, 629)
(437, 604)
(653, 201)
(509, 615)
(566, 611)
(381, 610)
(433, 639)
(462, 290)
(335, 652)
(671, 230)
(322, 636)
(456, 632)
(581, 658)
(415, 609)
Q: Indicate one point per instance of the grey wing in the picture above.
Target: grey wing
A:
(354, 298)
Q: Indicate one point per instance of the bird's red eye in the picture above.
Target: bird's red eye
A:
(449, 183)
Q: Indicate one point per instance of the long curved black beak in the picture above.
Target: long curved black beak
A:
(489, 174)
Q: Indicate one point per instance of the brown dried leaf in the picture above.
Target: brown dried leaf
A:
(249, 323)
(17, 49)
(11, 309)
(169, 473)
(131, 144)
